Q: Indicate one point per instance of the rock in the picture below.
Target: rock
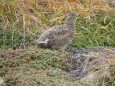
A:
(1, 81)
(92, 66)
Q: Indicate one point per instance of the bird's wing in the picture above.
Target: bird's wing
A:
(59, 36)
(55, 34)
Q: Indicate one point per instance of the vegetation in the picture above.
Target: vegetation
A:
(22, 22)
(35, 66)
(25, 20)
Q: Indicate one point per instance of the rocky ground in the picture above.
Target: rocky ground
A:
(92, 64)
(44, 67)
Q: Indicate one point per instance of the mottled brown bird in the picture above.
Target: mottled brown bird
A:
(59, 36)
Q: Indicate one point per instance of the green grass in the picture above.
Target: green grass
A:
(99, 30)
(94, 27)
(22, 23)
(36, 67)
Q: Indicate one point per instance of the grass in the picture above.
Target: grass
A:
(23, 21)
(35, 66)
(95, 31)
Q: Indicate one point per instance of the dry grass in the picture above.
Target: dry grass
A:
(22, 21)
(23, 14)
(26, 16)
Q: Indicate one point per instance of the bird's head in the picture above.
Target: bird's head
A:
(71, 18)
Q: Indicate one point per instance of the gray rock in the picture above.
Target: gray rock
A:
(91, 60)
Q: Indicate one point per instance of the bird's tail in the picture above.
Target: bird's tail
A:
(42, 43)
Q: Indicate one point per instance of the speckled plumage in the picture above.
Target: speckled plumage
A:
(59, 36)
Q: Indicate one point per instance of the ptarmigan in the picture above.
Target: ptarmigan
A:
(59, 36)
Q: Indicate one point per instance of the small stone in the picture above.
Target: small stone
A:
(74, 73)
(1, 81)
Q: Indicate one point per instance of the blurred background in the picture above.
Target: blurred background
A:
(22, 21)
